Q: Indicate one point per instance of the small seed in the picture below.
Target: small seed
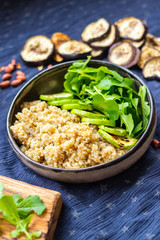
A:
(16, 82)
(21, 77)
(5, 84)
(13, 62)
(7, 70)
(11, 66)
(6, 76)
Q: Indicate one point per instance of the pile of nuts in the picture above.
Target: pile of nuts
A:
(8, 70)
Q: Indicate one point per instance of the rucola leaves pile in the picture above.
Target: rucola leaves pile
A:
(16, 210)
(111, 94)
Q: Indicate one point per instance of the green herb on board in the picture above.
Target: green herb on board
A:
(16, 210)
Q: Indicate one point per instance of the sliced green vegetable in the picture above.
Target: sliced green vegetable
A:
(56, 96)
(115, 131)
(62, 102)
(119, 142)
(88, 114)
(108, 137)
(99, 121)
(77, 106)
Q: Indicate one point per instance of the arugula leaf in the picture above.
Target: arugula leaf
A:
(28, 204)
(15, 210)
(128, 121)
(115, 74)
(109, 81)
(82, 64)
(128, 81)
(25, 222)
(108, 107)
(10, 213)
(145, 106)
(138, 130)
(17, 198)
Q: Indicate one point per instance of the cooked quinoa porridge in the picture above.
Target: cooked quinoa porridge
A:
(57, 138)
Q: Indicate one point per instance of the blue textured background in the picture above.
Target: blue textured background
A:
(126, 206)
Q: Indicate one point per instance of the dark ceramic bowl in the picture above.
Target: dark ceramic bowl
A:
(51, 81)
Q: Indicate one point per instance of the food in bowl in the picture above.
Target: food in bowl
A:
(57, 138)
(107, 116)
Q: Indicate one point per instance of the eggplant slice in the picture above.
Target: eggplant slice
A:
(38, 50)
(132, 28)
(146, 53)
(151, 69)
(136, 44)
(74, 49)
(98, 54)
(124, 54)
(152, 41)
(96, 31)
(107, 41)
(57, 39)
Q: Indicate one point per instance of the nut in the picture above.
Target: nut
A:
(11, 67)
(5, 84)
(13, 62)
(155, 143)
(21, 77)
(49, 66)
(16, 82)
(7, 70)
(6, 76)
(20, 73)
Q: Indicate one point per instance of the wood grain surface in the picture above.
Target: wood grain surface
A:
(46, 222)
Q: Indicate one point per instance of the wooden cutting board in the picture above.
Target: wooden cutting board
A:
(46, 222)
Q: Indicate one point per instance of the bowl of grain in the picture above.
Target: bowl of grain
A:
(55, 143)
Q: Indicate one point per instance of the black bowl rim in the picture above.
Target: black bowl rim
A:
(117, 160)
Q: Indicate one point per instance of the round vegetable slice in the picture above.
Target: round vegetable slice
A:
(99, 121)
(62, 102)
(147, 53)
(77, 106)
(132, 28)
(151, 69)
(38, 50)
(73, 50)
(107, 41)
(136, 44)
(124, 54)
(98, 54)
(115, 131)
(87, 114)
(96, 30)
(56, 96)
(152, 41)
(57, 39)
(119, 142)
